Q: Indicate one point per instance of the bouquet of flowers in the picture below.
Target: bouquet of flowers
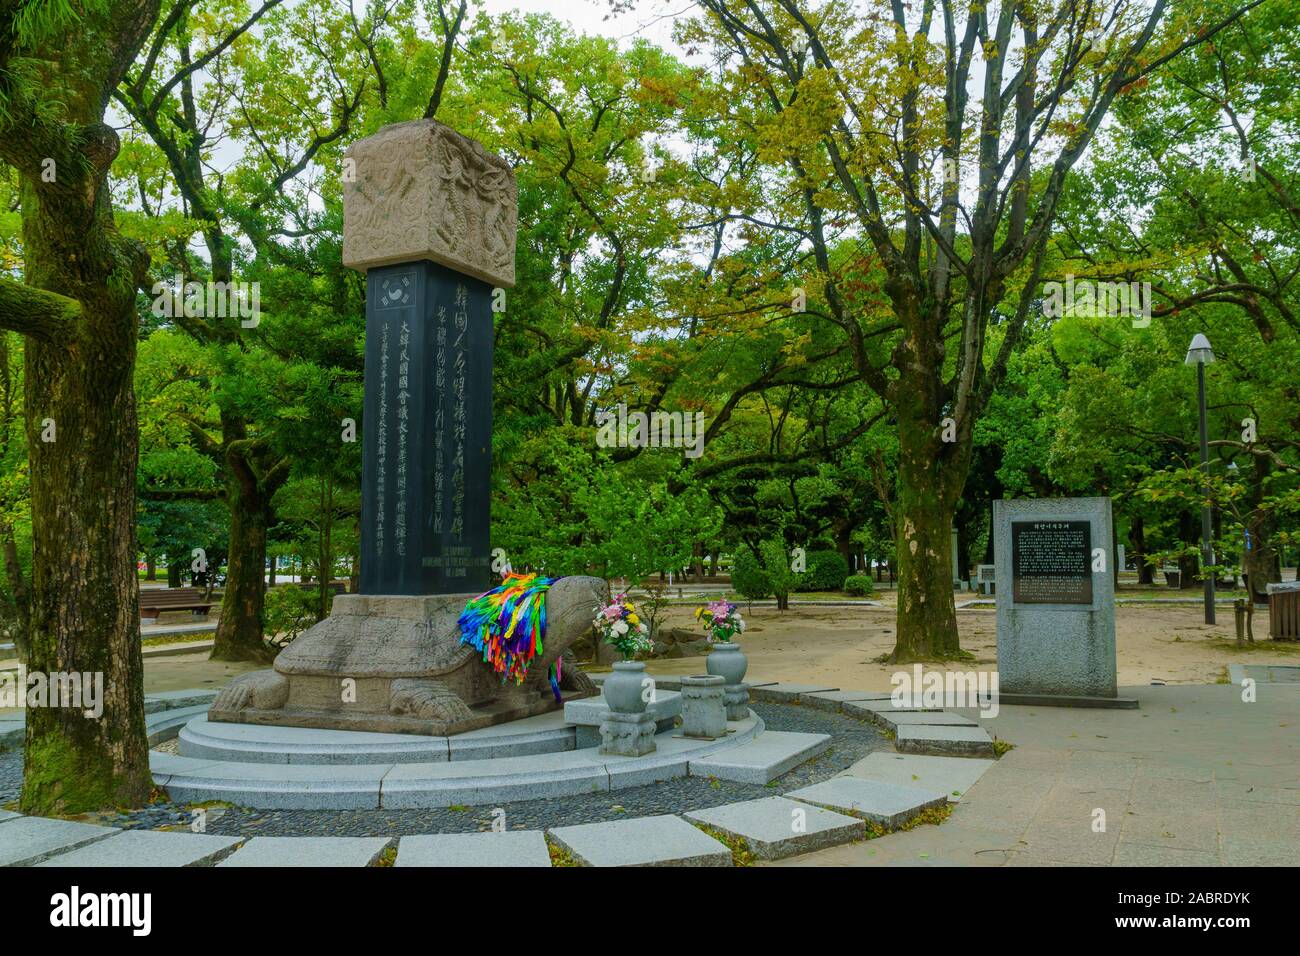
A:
(619, 625)
(721, 619)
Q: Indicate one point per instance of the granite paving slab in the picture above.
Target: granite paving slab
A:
(8, 815)
(786, 693)
(28, 840)
(509, 848)
(775, 827)
(872, 709)
(950, 775)
(308, 851)
(892, 720)
(834, 700)
(137, 848)
(763, 759)
(887, 804)
(645, 841)
(951, 741)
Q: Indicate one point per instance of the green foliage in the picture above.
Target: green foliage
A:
(826, 571)
(289, 610)
(859, 585)
(748, 577)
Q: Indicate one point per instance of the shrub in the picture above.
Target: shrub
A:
(826, 571)
(859, 585)
(288, 611)
(748, 577)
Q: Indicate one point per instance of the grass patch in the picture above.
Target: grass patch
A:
(1001, 746)
(186, 637)
(388, 857)
(741, 854)
(1263, 644)
(559, 855)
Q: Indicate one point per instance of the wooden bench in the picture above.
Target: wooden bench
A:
(155, 600)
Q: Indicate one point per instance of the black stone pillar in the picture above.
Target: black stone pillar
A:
(427, 432)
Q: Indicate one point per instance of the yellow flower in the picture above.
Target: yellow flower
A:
(627, 607)
(698, 612)
(633, 619)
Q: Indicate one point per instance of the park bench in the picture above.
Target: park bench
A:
(1284, 611)
(155, 600)
(986, 577)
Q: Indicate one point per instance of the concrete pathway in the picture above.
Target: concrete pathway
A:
(1195, 777)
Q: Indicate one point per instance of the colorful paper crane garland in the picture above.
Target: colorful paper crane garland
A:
(507, 626)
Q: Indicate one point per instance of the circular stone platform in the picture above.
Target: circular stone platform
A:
(269, 767)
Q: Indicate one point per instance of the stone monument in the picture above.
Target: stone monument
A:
(430, 217)
(1056, 603)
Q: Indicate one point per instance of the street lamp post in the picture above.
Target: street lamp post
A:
(1200, 354)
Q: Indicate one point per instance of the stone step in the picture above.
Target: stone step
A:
(949, 741)
(643, 841)
(886, 804)
(950, 775)
(25, 841)
(775, 827)
(892, 720)
(511, 848)
(202, 739)
(135, 848)
(763, 759)
(163, 725)
(431, 784)
(834, 700)
(309, 851)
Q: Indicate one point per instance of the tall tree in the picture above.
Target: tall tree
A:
(866, 123)
(59, 63)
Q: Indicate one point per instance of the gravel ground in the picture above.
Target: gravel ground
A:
(851, 741)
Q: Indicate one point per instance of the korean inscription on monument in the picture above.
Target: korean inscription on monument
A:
(1051, 562)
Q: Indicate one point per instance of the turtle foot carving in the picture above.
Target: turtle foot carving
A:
(256, 690)
(427, 700)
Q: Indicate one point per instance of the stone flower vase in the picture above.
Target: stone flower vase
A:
(726, 661)
(623, 688)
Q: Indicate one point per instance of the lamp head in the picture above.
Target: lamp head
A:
(1199, 352)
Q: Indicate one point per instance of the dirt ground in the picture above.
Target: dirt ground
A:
(803, 645)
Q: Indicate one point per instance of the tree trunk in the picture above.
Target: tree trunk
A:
(1137, 537)
(173, 573)
(239, 632)
(929, 480)
(19, 593)
(151, 568)
(1189, 532)
(77, 309)
(697, 560)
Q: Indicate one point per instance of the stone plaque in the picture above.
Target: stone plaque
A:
(1051, 562)
(1056, 615)
(426, 472)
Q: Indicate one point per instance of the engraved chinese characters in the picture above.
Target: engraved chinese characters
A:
(428, 436)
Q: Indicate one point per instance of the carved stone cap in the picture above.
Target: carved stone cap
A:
(420, 190)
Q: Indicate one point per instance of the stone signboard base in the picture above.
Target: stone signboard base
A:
(395, 664)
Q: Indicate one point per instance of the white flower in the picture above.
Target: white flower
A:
(620, 628)
(645, 629)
